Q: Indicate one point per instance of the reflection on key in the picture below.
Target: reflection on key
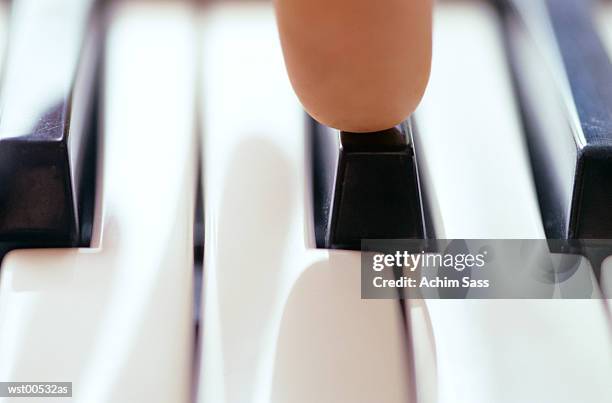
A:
(46, 99)
(605, 281)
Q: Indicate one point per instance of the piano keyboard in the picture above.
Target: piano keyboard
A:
(198, 93)
(476, 165)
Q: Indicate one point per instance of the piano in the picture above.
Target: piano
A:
(175, 228)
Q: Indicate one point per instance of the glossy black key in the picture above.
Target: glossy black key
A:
(365, 186)
(46, 121)
(564, 80)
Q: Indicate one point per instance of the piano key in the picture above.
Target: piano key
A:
(46, 101)
(374, 193)
(603, 16)
(564, 74)
(4, 13)
(474, 164)
(283, 321)
(492, 161)
(116, 319)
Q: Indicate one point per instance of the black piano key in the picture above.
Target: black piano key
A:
(47, 125)
(365, 186)
(564, 82)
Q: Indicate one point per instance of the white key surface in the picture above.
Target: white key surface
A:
(4, 17)
(603, 17)
(476, 172)
(52, 31)
(282, 322)
(116, 319)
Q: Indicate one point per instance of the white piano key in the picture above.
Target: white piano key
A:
(282, 322)
(4, 14)
(52, 31)
(116, 319)
(468, 121)
(603, 17)
(477, 176)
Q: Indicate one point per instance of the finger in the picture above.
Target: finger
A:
(357, 65)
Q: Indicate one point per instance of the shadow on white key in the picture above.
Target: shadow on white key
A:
(282, 322)
(116, 319)
(475, 167)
